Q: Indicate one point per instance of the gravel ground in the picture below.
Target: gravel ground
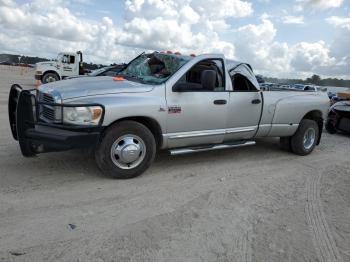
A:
(249, 204)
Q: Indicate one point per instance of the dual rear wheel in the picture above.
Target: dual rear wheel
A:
(304, 140)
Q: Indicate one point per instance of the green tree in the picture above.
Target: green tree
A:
(315, 79)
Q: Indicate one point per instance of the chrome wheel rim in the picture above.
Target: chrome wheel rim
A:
(50, 79)
(128, 151)
(309, 138)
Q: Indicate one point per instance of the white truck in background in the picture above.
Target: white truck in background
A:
(66, 65)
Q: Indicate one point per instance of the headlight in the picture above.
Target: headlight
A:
(82, 115)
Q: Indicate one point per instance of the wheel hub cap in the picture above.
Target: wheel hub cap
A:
(309, 138)
(128, 151)
(51, 79)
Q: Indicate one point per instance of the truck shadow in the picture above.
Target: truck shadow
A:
(265, 148)
(79, 164)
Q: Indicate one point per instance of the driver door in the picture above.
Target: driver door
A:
(196, 114)
(68, 66)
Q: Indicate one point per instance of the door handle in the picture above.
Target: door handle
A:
(256, 101)
(220, 102)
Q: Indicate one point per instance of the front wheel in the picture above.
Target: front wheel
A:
(50, 77)
(126, 150)
(304, 140)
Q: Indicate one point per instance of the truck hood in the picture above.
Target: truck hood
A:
(48, 63)
(92, 86)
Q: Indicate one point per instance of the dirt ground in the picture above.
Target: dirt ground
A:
(247, 204)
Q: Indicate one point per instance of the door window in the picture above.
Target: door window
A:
(65, 59)
(242, 84)
(68, 59)
(206, 76)
(71, 59)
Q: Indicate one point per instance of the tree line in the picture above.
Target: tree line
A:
(315, 80)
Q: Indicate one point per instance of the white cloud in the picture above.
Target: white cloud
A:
(6, 3)
(321, 4)
(265, 16)
(188, 15)
(309, 57)
(45, 27)
(289, 19)
(340, 22)
(340, 45)
(185, 25)
(298, 8)
(49, 25)
(256, 44)
(149, 24)
(223, 8)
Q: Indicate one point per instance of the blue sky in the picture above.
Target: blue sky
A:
(314, 29)
(293, 38)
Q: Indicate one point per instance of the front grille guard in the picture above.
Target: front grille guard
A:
(24, 110)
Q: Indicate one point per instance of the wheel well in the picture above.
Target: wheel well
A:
(150, 123)
(316, 115)
(51, 71)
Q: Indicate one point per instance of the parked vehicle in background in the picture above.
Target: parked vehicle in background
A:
(285, 87)
(66, 65)
(184, 104)
(268, 86)
(339, 118)
(6, 63)
(104, 71)
(108, 70)
(309, 87)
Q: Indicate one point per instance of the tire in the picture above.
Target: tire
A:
(285, 144)
(299, 144)
(330, 127)
(126, 150)
(50, 77)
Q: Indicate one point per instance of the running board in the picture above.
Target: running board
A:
(189, 150)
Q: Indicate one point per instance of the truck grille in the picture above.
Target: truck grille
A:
(47, 112)
(47, 98)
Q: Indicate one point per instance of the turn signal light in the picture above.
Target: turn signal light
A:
(118, 78)
(96, 113)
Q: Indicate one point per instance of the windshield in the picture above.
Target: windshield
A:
(154, 68)
(99, 71)
(59, 57)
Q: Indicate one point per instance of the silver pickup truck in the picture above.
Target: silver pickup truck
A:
(163, 101)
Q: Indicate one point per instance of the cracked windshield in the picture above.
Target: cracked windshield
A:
(153, 68)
